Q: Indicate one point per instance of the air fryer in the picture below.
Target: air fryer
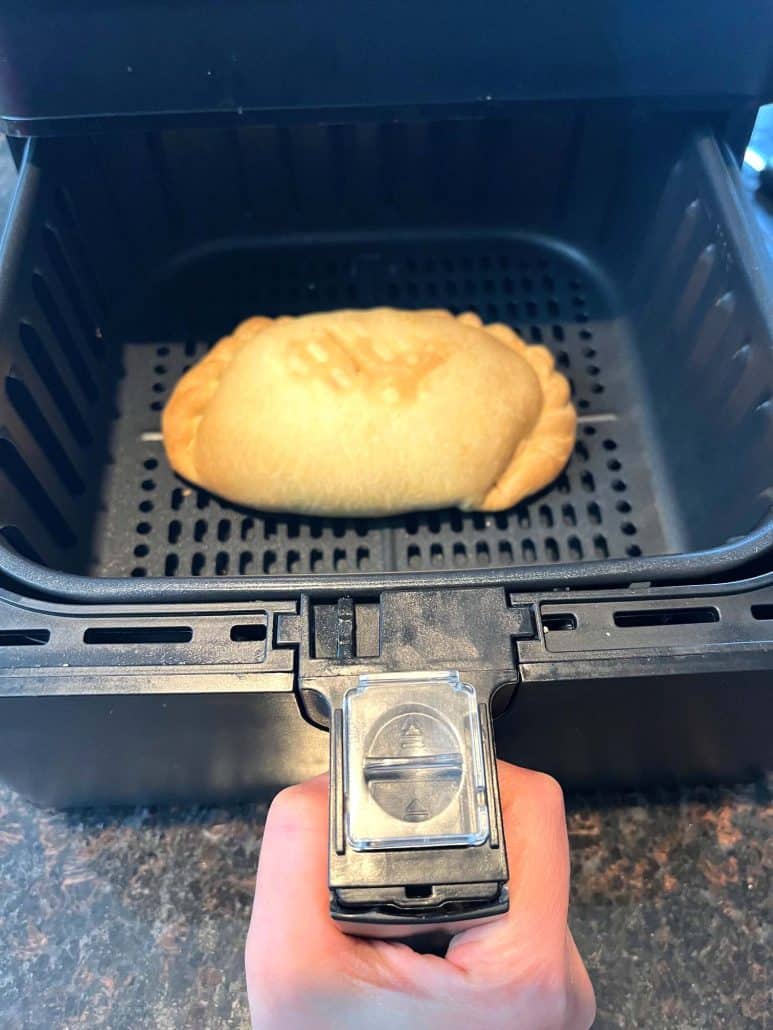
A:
(571, 174)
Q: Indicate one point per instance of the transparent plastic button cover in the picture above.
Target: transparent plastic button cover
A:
(413, 763)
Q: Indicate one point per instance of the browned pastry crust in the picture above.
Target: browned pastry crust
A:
(371, 412)
(541, 455)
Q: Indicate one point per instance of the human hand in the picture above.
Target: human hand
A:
(521, 970)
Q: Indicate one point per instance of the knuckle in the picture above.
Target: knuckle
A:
(541, 990)
(552, 995)
(291, 806)
(550, 791)
(287, 797)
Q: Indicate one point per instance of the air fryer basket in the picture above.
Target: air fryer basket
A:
(617, 242)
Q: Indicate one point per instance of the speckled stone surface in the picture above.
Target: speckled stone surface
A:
(125, 920)
(137, 919)
(671, 905)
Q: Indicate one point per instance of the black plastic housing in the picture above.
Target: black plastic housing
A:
(206, 702)
(84, 65)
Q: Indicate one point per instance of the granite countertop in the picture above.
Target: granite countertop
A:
(138, 919)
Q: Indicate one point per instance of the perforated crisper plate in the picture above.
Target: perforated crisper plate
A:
(604, 505)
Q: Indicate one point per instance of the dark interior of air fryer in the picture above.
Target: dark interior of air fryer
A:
(587, 230)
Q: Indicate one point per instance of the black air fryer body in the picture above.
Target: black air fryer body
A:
(573, 176)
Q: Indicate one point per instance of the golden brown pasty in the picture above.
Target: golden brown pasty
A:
(370, 413)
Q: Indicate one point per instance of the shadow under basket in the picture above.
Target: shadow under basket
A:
(128, 256)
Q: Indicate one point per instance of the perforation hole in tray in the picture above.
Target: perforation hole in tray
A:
(601, 506)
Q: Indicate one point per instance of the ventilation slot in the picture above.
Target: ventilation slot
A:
(664, 617)
(248, 633)
(24, 637)
(64, 270)
(33, 493)
(18, 542)
(75, 239)
(559, 622)
(36, 351)
(62, 333)
(32, 417)
(762, 612)
(138, 635)
(418, 890)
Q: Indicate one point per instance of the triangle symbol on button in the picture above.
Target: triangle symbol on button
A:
(416, 812)
(411, 736)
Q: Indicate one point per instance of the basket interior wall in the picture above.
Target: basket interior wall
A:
(132, 253)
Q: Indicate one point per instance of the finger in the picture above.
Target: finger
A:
(290, 928)
(532, 934)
